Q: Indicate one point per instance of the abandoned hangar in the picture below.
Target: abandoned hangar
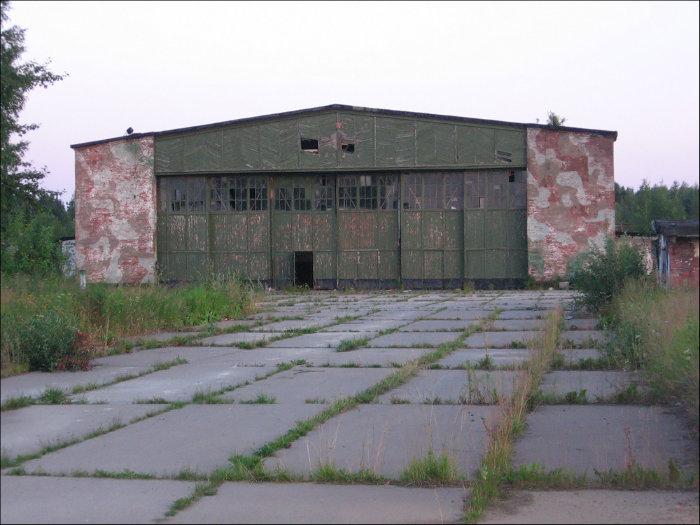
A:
(340, 196)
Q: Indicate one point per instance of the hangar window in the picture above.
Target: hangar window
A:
(283, 201)
(368, 193)
(323, 193)
(237, 194)
(195, 192)
(434, 191)
(257, 193)
(309, 145)
(347, 192)
(216, 194)
(388, 192)
(301, 203)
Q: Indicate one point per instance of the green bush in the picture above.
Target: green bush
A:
(30, 245)
(46, 340)
(603, 273)
(657, 330)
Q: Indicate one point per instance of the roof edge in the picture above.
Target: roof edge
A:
(356, 109)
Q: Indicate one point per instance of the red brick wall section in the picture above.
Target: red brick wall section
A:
(570, 198)
(115, 213)
(684, 256)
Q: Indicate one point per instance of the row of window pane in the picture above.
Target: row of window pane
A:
(368, 192)
(365, 192)
(434, 191)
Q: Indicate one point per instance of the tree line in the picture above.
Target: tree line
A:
(635, 209)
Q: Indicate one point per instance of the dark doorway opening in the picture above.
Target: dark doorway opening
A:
(304, 269)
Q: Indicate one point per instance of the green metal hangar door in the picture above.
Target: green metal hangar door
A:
(342, 196)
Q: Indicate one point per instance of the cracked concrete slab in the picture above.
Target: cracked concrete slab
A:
(499, 357)
(238, 337)
(28, 430)
(320, 339)
(438, 325)
(466, 387)
(579, 338)
(292, 503)
(43, 499)
(302, 384)
(386, 438)
(599, 385)
(407, 339)
(584, 438)
(500, 339)
(595, 506)
(197, 437)
(369, 325)
(179, 383)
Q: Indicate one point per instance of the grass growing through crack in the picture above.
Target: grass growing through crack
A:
(346, 345)
(250, 468)
(430, 470)
(329, 473)
(496, 464)
(261, 399)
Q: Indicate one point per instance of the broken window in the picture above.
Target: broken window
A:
(348, 147)
(257, 193)
(454, 191)
(195, 194)
(413, 199)
(323, 193)
(368, 193)
(347, 192)
(283, 201)
(301, 203)
(434, 191)
(237, 194)
(309, 145)
(388, 192)
(216, 194)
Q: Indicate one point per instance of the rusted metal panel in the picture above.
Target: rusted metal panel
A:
(241, 150)
(435, 144)
(279, 145)
(321, 128)
(395, 142)
(339, 140)
(356, 136)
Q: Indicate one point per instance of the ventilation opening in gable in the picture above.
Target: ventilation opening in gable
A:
(348, 147)
(309, 145)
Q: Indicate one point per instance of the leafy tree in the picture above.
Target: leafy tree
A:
(20, 182)
(636, 209)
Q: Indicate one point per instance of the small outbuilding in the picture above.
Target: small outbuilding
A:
(678, 251)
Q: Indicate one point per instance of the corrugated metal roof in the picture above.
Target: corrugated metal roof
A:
(355, 109)
(685, 228)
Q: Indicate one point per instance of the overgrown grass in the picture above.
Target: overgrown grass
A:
(656, 329)
(347, 345)
(430, 470)
(44, 321)
(496, 464)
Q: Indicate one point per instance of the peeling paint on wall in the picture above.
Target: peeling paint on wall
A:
(571, 197)
(115, 214)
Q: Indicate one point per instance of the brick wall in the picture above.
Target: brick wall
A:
(570, 197)
(683, 255)
(115, 214)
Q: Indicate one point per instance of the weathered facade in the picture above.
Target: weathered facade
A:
(678, 252)
(344, 196)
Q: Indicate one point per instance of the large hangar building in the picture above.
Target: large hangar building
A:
(340, 196)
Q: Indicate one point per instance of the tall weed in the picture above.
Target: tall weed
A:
(656, 329)
(601, 274)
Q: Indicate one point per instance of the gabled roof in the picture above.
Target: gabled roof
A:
(685, 228)
(354, 109)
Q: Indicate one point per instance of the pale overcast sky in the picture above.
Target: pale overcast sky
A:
(630, 67)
